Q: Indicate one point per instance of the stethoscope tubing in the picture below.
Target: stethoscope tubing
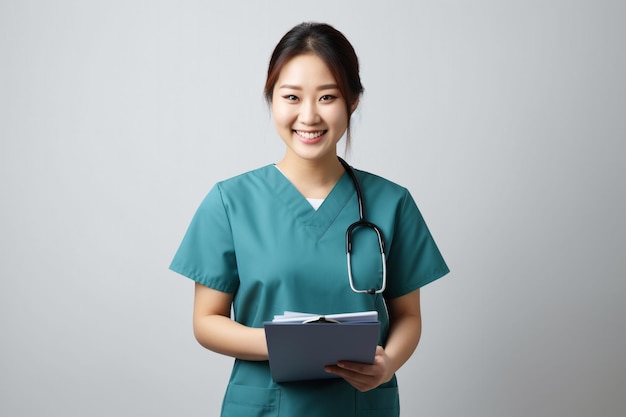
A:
(366, 224)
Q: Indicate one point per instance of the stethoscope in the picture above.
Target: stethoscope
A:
(362, 223)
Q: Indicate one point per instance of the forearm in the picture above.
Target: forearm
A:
(223, 335)
(216, 331)
(404, 335)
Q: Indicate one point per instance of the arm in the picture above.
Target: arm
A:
(406, 328)
(404, 334)
(216, 331)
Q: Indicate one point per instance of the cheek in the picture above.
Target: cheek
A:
(338, 118)
(281, 115)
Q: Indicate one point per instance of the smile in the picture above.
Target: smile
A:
(310, 135)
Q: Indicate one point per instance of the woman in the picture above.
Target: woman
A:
(273, 240)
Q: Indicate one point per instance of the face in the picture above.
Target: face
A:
(308, 109)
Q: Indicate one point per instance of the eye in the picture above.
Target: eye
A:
(327, 98)
(290, 97)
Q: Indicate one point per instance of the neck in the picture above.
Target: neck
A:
(313, 178)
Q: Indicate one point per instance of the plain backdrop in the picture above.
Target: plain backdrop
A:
(505, 119)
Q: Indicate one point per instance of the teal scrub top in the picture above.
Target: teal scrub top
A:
(257, 237)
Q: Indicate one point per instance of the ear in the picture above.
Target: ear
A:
(354, 106)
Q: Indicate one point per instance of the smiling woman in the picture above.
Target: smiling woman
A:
(309, 112)
(331, 47)
(273, 240)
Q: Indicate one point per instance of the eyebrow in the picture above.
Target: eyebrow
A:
(321, 87)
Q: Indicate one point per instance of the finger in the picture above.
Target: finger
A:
(357, 367)
(362, 384)
(359, 381)
(354, 378)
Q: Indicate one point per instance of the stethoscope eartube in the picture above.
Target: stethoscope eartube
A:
(362, 223)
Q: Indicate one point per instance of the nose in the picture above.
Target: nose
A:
(308, 113)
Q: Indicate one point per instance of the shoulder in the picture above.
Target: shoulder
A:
(387, 197)
(375, 183)
(246, 179)
(245, 185)
(227, 191)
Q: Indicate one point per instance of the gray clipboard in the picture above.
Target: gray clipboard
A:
(299, 351)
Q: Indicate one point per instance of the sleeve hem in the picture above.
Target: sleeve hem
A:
(439, 273)
(207, 282)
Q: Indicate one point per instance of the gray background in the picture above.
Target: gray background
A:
(505, 119)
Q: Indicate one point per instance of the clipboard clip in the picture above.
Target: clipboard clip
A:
(320, 319)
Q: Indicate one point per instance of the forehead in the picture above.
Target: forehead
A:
(305, 70)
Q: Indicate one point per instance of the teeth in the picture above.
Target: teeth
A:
(310, 135)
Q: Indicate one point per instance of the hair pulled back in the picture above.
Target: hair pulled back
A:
(331, 46)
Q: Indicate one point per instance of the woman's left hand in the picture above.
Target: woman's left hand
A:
(364, 377)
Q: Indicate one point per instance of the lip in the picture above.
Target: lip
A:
(310, 141)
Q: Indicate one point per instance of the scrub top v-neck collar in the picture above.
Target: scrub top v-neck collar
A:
(317, 221)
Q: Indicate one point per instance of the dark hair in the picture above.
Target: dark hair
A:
(331, 46)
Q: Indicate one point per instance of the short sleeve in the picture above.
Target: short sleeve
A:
(206, 254)
(413, 259)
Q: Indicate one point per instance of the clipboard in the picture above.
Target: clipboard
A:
(301, 345)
